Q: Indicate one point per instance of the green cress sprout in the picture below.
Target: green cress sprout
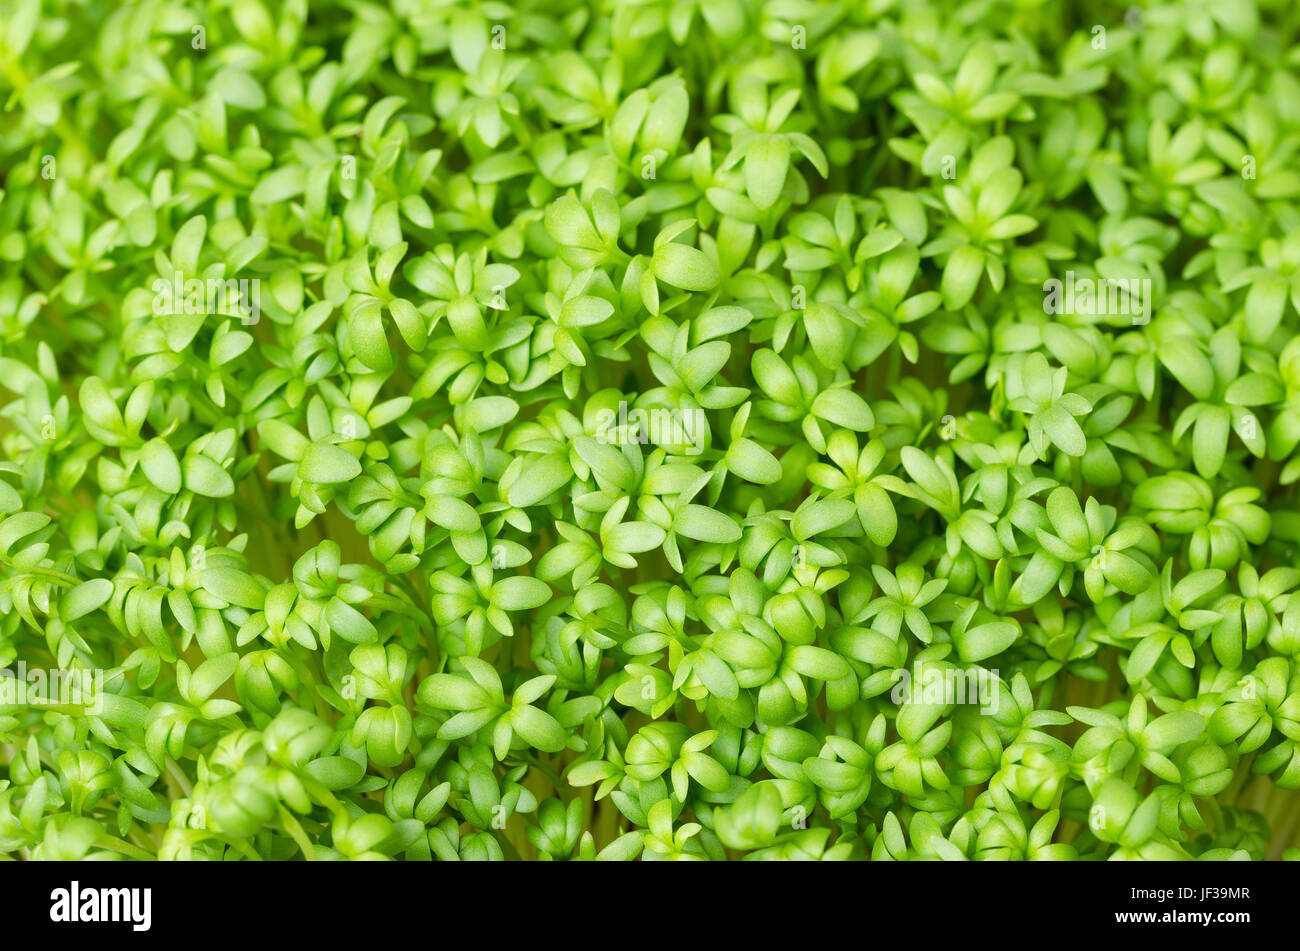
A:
(649, 429)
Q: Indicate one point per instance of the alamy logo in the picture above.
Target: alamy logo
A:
(946, 685)
(662, 426)
(75, 904)
(1098, 297)
(231, 298)
(46, 688)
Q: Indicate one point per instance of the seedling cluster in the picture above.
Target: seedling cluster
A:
(661, 429)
